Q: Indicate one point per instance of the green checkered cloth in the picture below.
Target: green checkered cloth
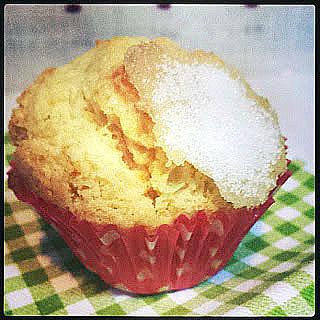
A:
(271, 273)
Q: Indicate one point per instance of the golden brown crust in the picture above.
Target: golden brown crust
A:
(45, 170)
(17, 129)
(101, 43)
(16, 126)
(85, 143)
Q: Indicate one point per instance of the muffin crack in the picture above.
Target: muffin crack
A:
(97, 115)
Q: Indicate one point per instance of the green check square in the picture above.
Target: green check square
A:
(35, 277)
(214, 291)
(248, 237)
(13, 232)
(50, 304)
(22, 254)
(287, 228)
(288, 198)
(309, 241)
(114, 309)
(7, 209)
(294, 167)
(309, 213)
(275, 277)
(152, 299)
(242, 251)
(177, 311)
(44, 225)
(236, 267)
(257, 244)
(308, 258)
(94, 286)
(285, 256)
(98, 301)
(42, 290)
(8, 312)
(268, 213)
(74, 265)
(232, 261)
(27, 310)
(308, 294)
(58, 242)
(251, 273)
(243, 298)
(309, 183)
(277, 311)
(13, 284)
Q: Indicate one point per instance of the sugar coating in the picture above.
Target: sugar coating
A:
(209, 121)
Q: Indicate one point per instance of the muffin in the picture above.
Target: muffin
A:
(151, 161)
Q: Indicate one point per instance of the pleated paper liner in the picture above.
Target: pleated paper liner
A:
(173, 256)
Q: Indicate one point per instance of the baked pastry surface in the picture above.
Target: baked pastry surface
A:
(97, 136)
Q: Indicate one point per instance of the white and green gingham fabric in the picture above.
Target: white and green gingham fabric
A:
(271, 273)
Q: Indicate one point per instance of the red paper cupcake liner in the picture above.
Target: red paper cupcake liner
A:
(171, 257)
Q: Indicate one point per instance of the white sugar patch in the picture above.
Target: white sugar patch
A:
(212, 124)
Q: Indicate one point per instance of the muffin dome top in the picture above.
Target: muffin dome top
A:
(137, 132)
(207, 115)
